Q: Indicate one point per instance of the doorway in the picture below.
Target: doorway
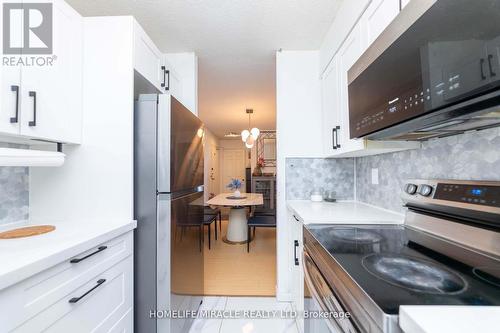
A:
(233, 164)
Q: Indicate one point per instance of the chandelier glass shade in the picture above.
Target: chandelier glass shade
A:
(249, 136)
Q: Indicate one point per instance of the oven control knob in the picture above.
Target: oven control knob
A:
(411, 189)
(425, 190)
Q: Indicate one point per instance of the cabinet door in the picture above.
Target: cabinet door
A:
(148, 59)
(376, 18)
(10, 81)
(52, 92)
(348, 54)
(330, 96)
(296, 265)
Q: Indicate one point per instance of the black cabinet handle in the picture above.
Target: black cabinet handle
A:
(481, 64)
(296, 219)
(490, 57)
(334, 145)
(164, 72)
(166, 78)
(337, 129)
(76, 299)
(295, 246)
(15, 119)
(77, 260)
(33, 122)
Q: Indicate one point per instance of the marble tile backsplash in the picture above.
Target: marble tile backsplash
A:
(470, 156)
(303, 175)
(14, 193)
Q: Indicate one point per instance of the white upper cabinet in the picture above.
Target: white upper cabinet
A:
(52, 94)
(376, 18)
(10, 82)
(173, 84)
(330, 104)
(42, 97)
(148, 60)
(335, 93)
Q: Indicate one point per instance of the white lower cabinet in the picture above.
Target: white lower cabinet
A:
(94, 294)
(297, 273)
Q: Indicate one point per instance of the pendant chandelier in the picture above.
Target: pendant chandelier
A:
(249, 136)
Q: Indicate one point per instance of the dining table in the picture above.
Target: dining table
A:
(237, 226)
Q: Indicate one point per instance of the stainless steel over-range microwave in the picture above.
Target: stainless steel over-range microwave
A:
(435, 71)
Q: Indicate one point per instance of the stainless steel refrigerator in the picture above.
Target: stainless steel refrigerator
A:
(168, 207)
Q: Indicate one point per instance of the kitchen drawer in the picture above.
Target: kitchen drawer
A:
(107, 308)
(32, 296)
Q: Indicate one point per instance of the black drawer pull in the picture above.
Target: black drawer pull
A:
(76, 299)
(77, 260)
(295, 246)
(15, 119)
(296, 219)
(33, 122)
(490, 57)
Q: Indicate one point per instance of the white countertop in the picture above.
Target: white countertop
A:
(23, 257)
(456, 319)
(346, 212)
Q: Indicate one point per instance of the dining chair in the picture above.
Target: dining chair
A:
(259, 221)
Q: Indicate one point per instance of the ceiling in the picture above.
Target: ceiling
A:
(235, 41)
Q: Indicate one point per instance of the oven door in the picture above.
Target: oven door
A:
(319, 298)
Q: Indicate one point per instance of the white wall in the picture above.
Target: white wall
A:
(210, 141)
(186, 67)
(96, 181)
(298, 111)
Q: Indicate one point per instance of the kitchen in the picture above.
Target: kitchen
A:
(395, 120)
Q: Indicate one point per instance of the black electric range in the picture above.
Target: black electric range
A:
(435, 258)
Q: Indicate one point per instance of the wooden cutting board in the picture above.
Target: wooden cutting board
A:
(27, 231)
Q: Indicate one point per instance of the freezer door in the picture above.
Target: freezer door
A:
(179, 258)
(180, 147)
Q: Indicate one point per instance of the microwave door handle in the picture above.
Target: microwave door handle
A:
(490, 65)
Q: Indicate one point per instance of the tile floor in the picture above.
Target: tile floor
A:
(244, 325)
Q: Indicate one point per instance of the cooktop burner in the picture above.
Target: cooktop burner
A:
(396, 270)
(356, 235)
(414, 273)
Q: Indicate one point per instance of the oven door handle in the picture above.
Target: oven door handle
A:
(331, 323)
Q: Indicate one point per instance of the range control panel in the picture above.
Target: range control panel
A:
(487, 195)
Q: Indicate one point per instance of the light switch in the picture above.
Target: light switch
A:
(374, 176)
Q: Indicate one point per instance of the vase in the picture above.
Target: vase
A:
(257, 171)
(237, 193)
